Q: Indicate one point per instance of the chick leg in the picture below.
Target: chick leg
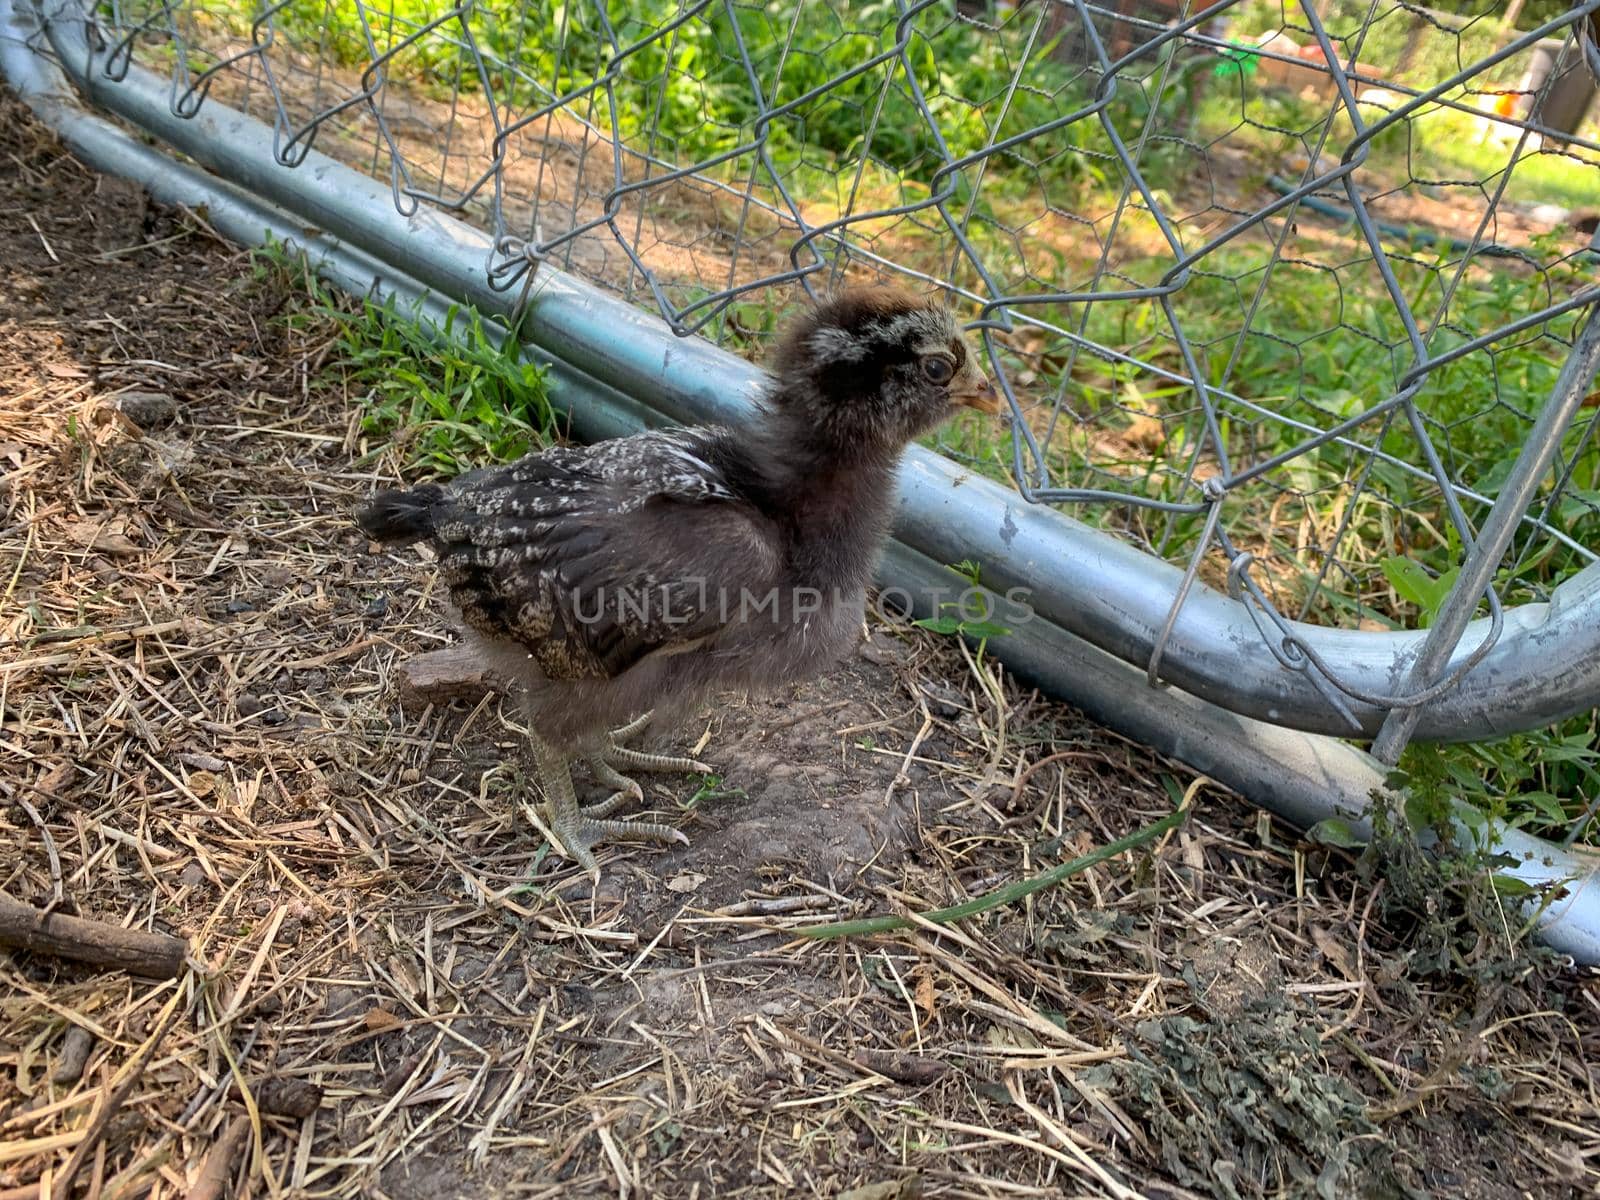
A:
(580, 829)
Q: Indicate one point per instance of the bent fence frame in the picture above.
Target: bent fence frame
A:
(1135, 642)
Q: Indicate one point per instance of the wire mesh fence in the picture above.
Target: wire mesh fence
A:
(1281, 293)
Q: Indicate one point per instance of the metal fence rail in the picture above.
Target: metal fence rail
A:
(1287, 333)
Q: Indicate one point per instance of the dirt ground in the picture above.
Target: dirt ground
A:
(202, 736)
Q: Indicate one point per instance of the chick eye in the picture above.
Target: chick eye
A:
(938, 370)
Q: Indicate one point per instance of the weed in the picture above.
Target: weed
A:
(1248, 1098)
(711, 788)
(1456, 920)
(1543, 780)
(452, 399)
(957, 621)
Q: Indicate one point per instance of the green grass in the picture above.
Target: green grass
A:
(691, 86)
(449, 398)
(1545, 176)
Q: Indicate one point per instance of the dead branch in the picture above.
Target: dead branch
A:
(217, 1172)
(153, 955)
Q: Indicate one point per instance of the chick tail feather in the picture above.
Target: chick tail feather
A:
(401, 515)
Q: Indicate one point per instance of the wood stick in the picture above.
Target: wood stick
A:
(153, 955)
(217, 1172)
(440, 676)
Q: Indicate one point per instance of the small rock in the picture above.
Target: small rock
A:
(249, 704)
(882, 653)
(944, 701)
(147, 409)
(297, 1098)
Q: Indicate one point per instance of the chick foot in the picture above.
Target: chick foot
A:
(579, 829)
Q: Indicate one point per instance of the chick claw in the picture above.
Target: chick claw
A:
(582, 828)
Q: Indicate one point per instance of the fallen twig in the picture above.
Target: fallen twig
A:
(54, 857)
(903, 1068)
(772, 906)
(153, 955)
(217, 1171)
(113, 1096)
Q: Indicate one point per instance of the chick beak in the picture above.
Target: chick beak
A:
(972, 389)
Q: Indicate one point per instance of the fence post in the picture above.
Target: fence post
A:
(1538, 452)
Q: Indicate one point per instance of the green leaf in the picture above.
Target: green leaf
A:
(666, 1137)
(1412, 583)
(968, 570)
(1424, 812)
(1492, 480)
(1511, 887)
(710, 789)
(984, 629)
(1549, 806)
(1336, 831)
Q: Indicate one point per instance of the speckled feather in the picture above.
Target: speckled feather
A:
(566, 552)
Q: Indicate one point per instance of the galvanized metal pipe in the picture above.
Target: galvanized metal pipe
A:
(1302, 777)
(1494, 539)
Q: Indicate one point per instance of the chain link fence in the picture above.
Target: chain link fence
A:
(1291, 297)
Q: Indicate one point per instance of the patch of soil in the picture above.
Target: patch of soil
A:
(203, 737)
